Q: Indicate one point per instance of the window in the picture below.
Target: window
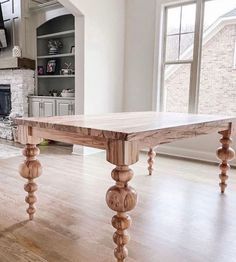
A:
(217, 87)
(178, 56)
(198, 54)
(179, 36)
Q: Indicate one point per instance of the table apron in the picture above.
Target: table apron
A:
(36, 134)
(170, 135)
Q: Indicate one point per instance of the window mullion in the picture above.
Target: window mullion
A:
(162, 89)
(180, 29)
(197, 53)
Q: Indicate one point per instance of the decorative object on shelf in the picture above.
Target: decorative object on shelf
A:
(40, 70)
(68, 93)
(51, 67)
(53, 92)
(72, 50)
(16, 51)
(53, 46)
(67, 70)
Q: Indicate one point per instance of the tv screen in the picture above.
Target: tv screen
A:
(3, 39)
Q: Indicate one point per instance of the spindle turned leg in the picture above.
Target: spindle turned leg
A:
(151, 160)
(30, 169)
(225, 153)
(121, 197)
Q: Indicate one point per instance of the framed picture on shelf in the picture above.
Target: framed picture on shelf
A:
(40, 70)
(51, 67)
(72, 50)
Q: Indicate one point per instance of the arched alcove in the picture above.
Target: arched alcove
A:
(61, 23)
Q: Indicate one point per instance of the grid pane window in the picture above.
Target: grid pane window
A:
(179, 39)
(180, 32)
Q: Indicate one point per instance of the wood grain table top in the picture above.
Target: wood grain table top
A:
(122, 125)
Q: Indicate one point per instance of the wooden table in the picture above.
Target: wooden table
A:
(122, 135)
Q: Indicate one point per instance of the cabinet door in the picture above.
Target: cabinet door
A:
(48, 107)
(34, 107)
(72, 108)
(63, 107)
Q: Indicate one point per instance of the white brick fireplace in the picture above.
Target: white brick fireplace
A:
(21, 83)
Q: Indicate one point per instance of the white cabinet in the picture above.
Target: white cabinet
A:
(39, 107)
(34, 107)
(50, 106)
(65, 107)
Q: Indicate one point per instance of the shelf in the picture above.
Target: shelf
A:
(55, 56)
(59, 34)
(51, 97)
(56, 76)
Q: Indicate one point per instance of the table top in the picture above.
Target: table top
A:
(121, 125)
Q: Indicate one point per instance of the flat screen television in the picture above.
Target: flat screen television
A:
(3, 38)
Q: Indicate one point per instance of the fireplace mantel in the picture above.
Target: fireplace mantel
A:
(17, 63)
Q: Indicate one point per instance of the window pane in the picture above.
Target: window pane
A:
(218, 76)
(177, 78)
(172, 48)
(186, 46)
(173, 20)
(221, 8)
(188, 18)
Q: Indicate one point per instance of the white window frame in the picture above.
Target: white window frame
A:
(195, 63)
(234, 62)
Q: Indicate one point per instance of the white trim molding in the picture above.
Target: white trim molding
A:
(190, 154)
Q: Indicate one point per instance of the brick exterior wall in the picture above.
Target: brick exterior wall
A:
(218, 78)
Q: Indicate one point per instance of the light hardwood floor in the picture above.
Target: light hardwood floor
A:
(180, 216)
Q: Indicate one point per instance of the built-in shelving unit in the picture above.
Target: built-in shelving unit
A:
(59, 28)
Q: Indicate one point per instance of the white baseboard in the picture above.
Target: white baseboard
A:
(190, 154)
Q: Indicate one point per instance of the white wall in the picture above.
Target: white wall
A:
(101, 56)
(142, 57)
(139, 61)
(104, 32)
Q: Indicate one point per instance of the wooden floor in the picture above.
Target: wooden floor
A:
(180, 217)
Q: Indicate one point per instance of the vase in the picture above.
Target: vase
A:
(16, 51)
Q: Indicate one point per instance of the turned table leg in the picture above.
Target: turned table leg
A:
(121, 197)
(151, 160)
(30, 169)
(225, 153)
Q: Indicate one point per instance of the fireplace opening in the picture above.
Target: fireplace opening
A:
(5, 101)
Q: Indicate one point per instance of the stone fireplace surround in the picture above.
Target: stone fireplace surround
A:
(21, 83)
